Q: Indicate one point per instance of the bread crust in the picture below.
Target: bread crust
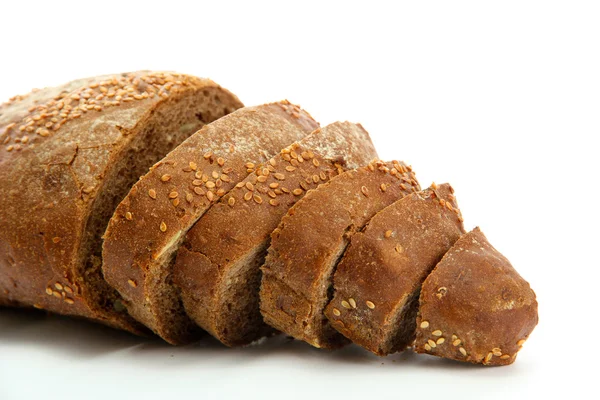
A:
(385, 265)
(58, 146)
(151, 222)
(228, 243)
(311, 238)
(477, 302)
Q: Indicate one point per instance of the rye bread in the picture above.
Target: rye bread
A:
(217, 267)
(378, 281)
(310, 240)
(474, 306)
(151, 222)
(68, 156)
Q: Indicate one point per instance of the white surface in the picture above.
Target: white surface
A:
(502, 100)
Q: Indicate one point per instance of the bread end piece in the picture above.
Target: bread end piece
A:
(475, 307)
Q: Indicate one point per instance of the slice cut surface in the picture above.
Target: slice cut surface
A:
(381, 273)
(217, 268)
(311, 238)
(151, 222)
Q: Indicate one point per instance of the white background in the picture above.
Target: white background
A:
(501, 99)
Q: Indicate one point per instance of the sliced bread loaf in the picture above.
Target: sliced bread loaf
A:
(474, 306)
(217, 267)
(151, 222)
(310, 240)
(378, 281)
(69, 154)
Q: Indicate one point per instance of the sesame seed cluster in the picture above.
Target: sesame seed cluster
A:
(45, 119)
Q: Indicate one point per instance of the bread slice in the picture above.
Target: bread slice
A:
(474, 306)
(217, 268)
(310, 240)
(151, 222)
(378, 281)
(69, 154)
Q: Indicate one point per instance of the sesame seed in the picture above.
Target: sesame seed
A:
(399, 248)
(279, 176)
(197, 182)
(364, 191)
(271, 194)
(345, 304)
(207, 155)
(56, 294)
(239, 185)
(225, 178)
(49, 291)
(132, 283)
(55, 239)
(352, 302)
(262, 179)
(68, 289)
(173, 195)
(249, 186)
(193, 166)
(520, 342)
(388, 234)
(432, 344)
(289, 168)
(248, 196)
(231, 201)
(189, 197)
(199, 191)
(424, 325)
(437, 332)
(293, 154)
(427, 347)
(128, 216)
(69, 301)
(316, 162)
(294, 162)
(221, 161)
(456, 342)
(210, 184)
(440, 340)
(504, 356)
(273, 202)
(165, 178)
(462, 351)
(215, 175)
(488, 357)
(257, 199)
(336, 312)
(175, 202)
(370, 304)
(210, 196)
(297, 192)
(249, 165)
(273, 162)
(279, 191)
(152, 193)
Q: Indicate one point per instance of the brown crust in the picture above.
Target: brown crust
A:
(58, 145)
(234, 233)
(152, 220)
(309, 241)
(478, 303)
(385, 265)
